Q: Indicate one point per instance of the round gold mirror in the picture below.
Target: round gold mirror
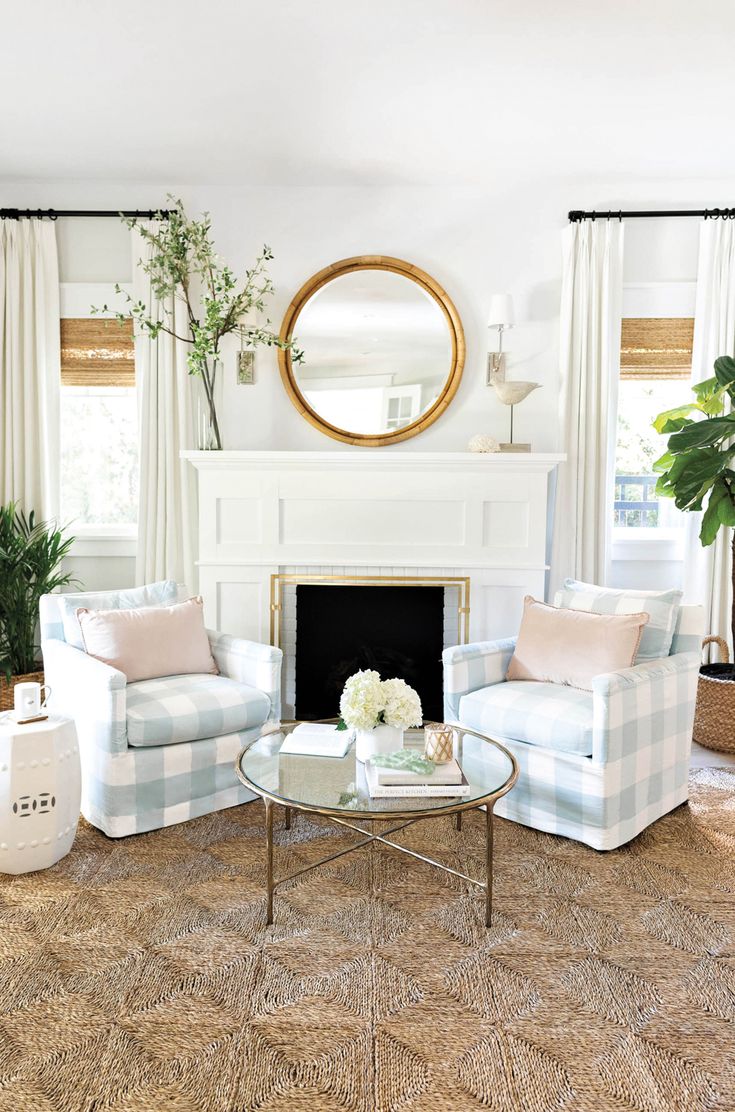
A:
(383, 350)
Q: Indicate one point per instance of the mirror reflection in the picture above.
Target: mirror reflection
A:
(377, 351)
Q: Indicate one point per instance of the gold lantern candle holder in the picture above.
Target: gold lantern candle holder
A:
(438, 742)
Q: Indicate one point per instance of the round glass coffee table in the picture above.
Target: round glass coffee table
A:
(336, 788)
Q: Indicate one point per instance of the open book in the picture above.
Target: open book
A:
(317, 739)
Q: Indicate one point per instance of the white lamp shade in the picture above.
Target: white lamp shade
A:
(501, 311)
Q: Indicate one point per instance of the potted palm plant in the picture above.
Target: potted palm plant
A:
(697, 471)
(31, 553)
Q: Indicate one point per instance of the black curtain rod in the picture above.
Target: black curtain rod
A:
(54, 214)
(708, 214)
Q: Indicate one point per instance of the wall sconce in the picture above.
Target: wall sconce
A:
(501, 317)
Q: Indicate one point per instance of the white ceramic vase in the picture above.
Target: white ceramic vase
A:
(381, 739)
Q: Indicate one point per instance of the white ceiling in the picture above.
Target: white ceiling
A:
(366, 92)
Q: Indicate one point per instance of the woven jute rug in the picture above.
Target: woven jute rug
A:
(140, 975)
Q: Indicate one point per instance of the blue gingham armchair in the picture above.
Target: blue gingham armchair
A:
(158, 752)
(595, 766)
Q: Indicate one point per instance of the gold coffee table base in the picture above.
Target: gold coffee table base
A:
(383, 839)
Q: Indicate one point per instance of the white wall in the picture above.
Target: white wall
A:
(101, 572)
(450, 233)
(475, 242)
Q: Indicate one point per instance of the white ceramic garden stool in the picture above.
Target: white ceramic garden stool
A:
(40, 792)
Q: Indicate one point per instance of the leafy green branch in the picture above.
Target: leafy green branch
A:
(184, 265)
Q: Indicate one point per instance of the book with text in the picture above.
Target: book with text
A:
(449, 773)
(398, 791)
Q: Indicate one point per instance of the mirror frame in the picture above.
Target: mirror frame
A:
(456, 333)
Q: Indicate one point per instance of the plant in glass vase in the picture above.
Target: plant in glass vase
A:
(184, 265)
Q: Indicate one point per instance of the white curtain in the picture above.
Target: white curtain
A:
(707, 570)
(167, 513)
(589, 350)
(29, 366)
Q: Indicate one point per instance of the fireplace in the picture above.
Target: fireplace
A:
(396, 630)
(334, 622)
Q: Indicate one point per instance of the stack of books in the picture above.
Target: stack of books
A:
(442, 780)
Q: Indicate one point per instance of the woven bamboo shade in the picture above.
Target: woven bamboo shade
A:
(656, 347)
(97, 352)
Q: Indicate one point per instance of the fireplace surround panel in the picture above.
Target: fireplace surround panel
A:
(361, 513)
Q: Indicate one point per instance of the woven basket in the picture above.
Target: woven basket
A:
(6, 689)
(714, 718)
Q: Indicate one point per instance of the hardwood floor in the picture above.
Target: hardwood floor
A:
(709, 758)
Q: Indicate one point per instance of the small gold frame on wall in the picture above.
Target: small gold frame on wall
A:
(456, 334)
(280, 579)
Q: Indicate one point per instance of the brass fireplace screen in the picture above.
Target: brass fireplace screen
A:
(280, 580)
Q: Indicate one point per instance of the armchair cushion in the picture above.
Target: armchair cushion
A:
(188, 708)
(540, 714)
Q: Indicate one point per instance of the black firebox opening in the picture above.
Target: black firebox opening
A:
(398, 631)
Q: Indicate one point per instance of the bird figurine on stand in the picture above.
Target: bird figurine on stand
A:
(511, 393)
(501, 318)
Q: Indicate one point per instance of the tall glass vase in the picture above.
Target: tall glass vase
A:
(209, 406)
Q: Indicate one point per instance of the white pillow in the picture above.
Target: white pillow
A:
(163, 593)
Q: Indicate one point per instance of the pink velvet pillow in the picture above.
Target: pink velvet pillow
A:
(150, 642)
(573, 646)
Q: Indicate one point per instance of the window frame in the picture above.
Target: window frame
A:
(95, 539)
(655, 300)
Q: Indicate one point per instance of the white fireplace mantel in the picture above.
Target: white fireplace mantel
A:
(374, 511)
(377, 459)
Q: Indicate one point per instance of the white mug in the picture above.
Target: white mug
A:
(28, 699)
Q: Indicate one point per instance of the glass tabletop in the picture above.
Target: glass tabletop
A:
(338, 784)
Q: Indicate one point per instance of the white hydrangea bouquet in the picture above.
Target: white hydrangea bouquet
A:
(379, 711)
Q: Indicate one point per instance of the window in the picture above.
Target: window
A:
(400, 406)
(99, 426)
(655, 366)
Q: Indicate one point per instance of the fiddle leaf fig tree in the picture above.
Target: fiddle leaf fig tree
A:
(183, 264)
(697, 469)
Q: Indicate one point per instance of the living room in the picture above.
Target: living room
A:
(367, 722)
